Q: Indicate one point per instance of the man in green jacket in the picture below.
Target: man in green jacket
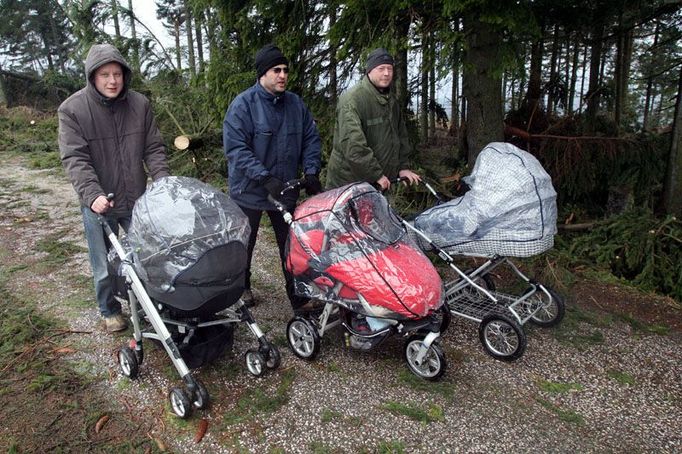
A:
(370, 137)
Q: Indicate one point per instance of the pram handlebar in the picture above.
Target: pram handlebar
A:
(430, 188)
(288, 186)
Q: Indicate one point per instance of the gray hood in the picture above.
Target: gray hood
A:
(101, 54)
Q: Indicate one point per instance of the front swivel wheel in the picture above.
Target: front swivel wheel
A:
(432, 365)
(303, 338)
(502, 337)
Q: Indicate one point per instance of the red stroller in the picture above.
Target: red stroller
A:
(348, 249)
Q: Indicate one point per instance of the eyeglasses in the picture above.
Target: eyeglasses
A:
(279, 70)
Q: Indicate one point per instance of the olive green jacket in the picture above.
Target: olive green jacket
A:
(370, 137)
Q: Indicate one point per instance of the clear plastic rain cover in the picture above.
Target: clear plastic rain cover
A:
(175, 222)
(346, 246)
(510, 209)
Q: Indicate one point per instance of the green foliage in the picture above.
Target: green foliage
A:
(621, 377)
(637, 247)
(432, 413)
(564, 415)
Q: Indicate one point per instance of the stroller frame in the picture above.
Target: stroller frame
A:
(424, 356)
(194, 395)
(501, 316)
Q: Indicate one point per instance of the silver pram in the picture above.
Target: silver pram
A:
(181, 268)
(508, 211)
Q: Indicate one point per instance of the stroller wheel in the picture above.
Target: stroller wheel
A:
(502, 337)
(552, 308)
(433, 364)
(127, 360)
(180, 403)
(274, 357)
(303, 338)
(201, 398)
(255, 362)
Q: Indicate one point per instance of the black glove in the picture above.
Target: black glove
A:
(312, 184)
(274, 187)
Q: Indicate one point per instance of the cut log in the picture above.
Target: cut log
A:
(193, 142)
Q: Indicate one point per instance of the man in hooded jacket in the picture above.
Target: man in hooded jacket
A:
(108, 142)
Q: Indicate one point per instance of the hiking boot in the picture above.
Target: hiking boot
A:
(247, 298)
(115, 323)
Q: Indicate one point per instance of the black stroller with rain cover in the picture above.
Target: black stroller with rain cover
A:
(509, 211)
(183, 263)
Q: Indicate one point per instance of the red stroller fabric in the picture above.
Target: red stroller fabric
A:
(346, 246)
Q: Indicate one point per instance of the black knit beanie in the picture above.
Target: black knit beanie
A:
(267, 57)
(378, 57)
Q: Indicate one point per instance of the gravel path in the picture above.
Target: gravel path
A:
(621, 393)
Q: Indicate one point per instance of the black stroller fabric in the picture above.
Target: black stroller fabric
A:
(189, 245)
(205, 345)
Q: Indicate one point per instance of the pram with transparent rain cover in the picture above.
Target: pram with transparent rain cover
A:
(509, 211)
(348, 249)
(183, 263)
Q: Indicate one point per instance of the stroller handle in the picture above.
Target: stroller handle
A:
(288, 186)
(430, 188)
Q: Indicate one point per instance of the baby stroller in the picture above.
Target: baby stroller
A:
(509, 211)
(347, 249)
(182, 265)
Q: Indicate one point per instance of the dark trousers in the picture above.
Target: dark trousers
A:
(281, 233)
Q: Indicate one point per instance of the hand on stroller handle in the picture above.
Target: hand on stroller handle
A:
(288, 186)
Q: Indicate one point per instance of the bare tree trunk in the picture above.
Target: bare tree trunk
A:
(198, 20)
(424, 92)
(622, 70)
(178, 49)
(482, 86)
(454, 114)
(190, 42)
(595, 65)
(553, 68)
(333, 78)
(432, 86)
(117, 26)
(400, 80)
(133, 33)
(3, 91)
(574, 75)
(532, 99)
(672, 188)
(649, 83)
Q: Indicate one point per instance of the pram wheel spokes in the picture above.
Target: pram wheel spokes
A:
(180, 403)
(432, 365)
(127, 360)
(303, 338)
(255, 362)
(551, 310)
(502, 337)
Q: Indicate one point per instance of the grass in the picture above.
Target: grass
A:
(621, 377)
(256, 401)
(409, 379)
(330, 415)
(391, 447)
(565, 415)
(59, 252)
(639, 326)
(432, 413)
(573, 332)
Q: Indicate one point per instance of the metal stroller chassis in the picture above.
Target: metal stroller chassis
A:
(424, 356)
(194, 394)
(500, 316)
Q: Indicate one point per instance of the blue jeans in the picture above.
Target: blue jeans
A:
(98, 247)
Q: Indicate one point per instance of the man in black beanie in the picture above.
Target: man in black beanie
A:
(269, 137)
(370, 136)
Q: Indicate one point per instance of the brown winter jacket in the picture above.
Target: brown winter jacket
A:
(105, 143)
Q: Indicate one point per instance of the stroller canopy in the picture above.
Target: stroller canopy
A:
(177, 222)
(510, 209)
(347, 246)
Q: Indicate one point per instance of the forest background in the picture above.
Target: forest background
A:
(591, 88)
